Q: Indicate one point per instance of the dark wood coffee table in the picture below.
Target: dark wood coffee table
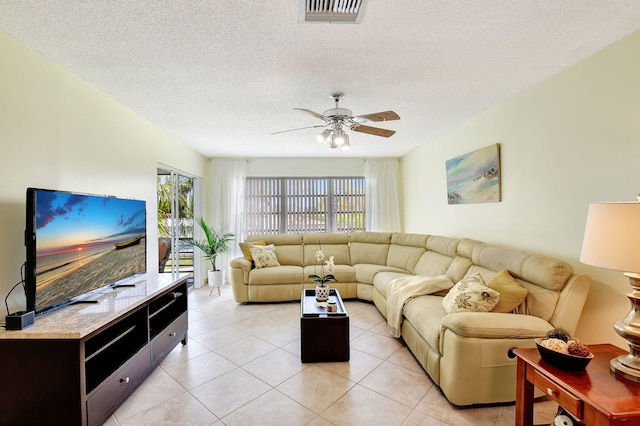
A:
(324, 336)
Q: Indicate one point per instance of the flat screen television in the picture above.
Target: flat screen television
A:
(79, 245)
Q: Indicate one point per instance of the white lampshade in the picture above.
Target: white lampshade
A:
(612, 237)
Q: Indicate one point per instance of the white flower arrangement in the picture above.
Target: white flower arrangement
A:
(330, 266)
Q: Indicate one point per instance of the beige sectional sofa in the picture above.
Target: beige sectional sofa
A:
(465, 353)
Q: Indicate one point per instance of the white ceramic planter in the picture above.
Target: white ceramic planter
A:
(322, 293)
(216, 279)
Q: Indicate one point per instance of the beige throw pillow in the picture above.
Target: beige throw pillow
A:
(264, 256)
(246, 248)
(511, 291)
(471, 294)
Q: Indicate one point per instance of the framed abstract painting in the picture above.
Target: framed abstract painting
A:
(474, 177)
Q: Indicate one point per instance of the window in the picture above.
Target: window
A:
(300, 204)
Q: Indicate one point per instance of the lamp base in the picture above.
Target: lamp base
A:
(622, 370)
(617, 366)
(628, 366)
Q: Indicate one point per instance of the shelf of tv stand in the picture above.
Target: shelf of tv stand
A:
(76, 365)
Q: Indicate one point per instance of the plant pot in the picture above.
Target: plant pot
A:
(216, 279)
(322, 293)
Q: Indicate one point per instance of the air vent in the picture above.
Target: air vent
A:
(332, 11)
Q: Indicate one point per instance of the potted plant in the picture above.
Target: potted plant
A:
(214, 244)
(322, 288)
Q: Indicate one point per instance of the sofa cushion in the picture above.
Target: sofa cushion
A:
(289, 255)
(543, 277)
(365, 273)
(470, 295)
(511, 292)
(444, 245)
(405, 250)
(458, 268)
(277, 239)
(288, 247)
(343, 273)
(246, 248)
(425, 315)
(540, 302)
(545, 272)
(432, 263)
(264, 256)
(370, 247)
(438, 257)
(277, 275)
(466, 247)
(334, 244)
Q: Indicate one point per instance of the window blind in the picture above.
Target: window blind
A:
(302, 204)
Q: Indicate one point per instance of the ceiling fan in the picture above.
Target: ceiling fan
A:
(336, 119)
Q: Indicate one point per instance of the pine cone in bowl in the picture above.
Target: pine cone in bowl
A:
(557, 334)
(578, 349)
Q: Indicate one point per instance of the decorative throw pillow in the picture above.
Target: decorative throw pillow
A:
(471, 294)
(511, 291)
(264, 256)
(245, 247)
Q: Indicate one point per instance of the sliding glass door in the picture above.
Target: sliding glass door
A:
(178, 204)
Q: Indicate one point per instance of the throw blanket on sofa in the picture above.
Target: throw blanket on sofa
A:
(401, 290)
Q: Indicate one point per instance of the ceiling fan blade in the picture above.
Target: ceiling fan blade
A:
(299, 128)
(315, 114)
(376, 131)
(380, 116)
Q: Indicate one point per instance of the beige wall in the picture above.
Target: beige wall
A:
(572, 140)
(57, 132)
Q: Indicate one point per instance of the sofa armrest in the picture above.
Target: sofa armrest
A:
(241, 263)
(493, 325)
(570, 303)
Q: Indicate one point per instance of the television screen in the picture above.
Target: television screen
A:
(78, 244)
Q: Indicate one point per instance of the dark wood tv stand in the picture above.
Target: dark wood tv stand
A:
(76, 365)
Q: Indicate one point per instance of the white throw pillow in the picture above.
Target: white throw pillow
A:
(264, 256)
(471, 294)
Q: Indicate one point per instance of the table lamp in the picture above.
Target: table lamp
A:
(612, 241)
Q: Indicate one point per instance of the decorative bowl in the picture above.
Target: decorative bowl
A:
(563, 361)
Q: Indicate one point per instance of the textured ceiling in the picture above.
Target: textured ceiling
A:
(222, 75)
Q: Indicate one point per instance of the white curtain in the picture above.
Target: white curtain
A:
(382, 187)
(226, 201)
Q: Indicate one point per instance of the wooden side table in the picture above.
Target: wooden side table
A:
(595, 396)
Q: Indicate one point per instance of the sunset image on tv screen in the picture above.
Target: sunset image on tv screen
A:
(84, 242)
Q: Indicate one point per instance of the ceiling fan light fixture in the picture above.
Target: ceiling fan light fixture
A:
(337, 120)
(340, 137)
(332, 142)
(324, 135)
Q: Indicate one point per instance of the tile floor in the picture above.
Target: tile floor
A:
(242, 366)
